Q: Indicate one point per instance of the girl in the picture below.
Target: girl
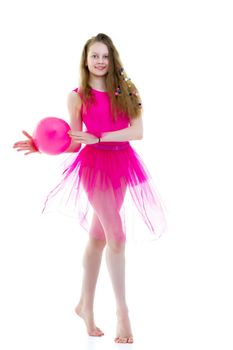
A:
(109, 106)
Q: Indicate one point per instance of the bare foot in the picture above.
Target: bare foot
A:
(124, 332)
(88, 318)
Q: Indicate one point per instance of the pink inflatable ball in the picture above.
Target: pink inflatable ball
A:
(50, 135)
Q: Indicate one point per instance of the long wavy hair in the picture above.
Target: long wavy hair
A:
(128, 100)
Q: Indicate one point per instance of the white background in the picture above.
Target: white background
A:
(179, 54)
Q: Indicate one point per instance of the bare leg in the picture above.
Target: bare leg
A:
(108, 213)
(115, 258)
(91, 265)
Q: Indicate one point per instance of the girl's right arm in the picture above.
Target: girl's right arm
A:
(74, 104)
(27, 146)
(74, 107)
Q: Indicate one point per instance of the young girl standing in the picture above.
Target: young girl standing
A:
(109, 106)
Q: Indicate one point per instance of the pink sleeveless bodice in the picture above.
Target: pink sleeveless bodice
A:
(98, 117)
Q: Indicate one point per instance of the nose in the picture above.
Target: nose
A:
(101, 60)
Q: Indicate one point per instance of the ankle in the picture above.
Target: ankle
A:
(122, 311)
(85, 306)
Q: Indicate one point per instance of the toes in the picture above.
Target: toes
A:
(99, 330)
(124, 340)
(130, 340)
(96, 333)
(118, 340)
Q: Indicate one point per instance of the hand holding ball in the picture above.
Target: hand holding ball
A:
(51, 135)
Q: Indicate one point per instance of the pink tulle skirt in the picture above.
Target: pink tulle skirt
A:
(98, 179)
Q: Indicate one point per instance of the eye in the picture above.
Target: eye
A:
(106, 56)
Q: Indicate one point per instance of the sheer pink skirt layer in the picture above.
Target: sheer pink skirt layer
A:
(98, 178)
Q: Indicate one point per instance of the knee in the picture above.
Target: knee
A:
(115, 237)
(116, 246)
(98, 244)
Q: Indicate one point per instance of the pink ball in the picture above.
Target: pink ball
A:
(50, 135)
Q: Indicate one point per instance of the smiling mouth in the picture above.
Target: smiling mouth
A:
(100, 68)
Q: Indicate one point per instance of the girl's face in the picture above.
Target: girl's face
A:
(98, 59)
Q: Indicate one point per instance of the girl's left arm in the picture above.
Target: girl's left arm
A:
(133, 132)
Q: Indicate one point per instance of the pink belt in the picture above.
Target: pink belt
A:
(104, 146)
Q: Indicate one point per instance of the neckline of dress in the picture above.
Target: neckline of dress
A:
(99, 91)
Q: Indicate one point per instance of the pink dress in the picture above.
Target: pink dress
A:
(100, 175)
